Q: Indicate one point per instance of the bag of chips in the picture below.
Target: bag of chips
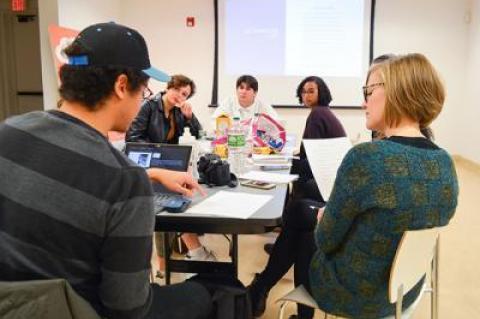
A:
(267, 131)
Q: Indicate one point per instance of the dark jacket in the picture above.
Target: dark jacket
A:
(151, 126)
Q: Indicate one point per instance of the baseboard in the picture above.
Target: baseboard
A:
(465, 162)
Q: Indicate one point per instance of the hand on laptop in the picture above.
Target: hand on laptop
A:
(179, 182)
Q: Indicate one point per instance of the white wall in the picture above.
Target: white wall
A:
(469, 128)
(77, 15)
(175, 48)
(437, 28)
(71, 14)
(48, 14)
(428, 26)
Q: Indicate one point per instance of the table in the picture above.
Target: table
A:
(264, 220)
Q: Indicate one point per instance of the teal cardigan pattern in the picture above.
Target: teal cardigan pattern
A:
(382, 189)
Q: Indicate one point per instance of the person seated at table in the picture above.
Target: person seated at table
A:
(245, 104)
(377, 135)
(164, 115)
(343, 254)
(162, 119)
(74, 207)
(321, 122)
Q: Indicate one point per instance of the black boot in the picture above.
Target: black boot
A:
(258, 296)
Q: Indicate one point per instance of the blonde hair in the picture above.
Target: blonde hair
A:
(412, 88)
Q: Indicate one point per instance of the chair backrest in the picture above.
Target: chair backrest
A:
(412, 259)
(43, 299)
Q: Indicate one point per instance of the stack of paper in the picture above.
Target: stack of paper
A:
(271, 160)
(275, 178)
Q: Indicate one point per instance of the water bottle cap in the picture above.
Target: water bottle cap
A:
(186, 131)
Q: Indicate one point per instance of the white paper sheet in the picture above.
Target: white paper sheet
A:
(276, 178)
(231, 204)
(325, 157)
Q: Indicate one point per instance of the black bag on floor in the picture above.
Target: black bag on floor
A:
(229, 296)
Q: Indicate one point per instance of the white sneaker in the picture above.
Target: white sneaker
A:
(204, 255)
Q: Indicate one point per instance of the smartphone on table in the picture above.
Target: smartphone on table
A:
(257, 184)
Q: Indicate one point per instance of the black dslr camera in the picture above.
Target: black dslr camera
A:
(215, 172)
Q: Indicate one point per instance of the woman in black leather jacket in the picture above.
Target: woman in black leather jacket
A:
(163, 117)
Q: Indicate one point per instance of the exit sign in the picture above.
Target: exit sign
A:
(18, 5)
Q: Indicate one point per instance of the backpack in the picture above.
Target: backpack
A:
(229, 296)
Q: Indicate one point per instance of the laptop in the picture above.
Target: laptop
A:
(166, 156)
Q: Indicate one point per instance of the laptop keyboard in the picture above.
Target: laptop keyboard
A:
(171, 203)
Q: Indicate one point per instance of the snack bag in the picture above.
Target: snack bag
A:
(268, 132)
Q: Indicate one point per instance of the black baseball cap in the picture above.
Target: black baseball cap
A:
(112, 44)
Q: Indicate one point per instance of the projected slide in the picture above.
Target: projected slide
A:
(295, 37)
(282, 41)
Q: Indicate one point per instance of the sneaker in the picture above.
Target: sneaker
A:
(258, 297)
(205, 255)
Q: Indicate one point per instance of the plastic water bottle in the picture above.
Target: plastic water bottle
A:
(236, 147)
(188, 139)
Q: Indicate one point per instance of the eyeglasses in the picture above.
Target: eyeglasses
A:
(147, 93)
(366, 93)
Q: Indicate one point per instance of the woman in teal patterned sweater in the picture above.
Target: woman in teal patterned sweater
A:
(382, 189)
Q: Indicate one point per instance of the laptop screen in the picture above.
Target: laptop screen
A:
(168, 156)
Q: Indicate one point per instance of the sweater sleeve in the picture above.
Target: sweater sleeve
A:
(343, 205)
(126, 251)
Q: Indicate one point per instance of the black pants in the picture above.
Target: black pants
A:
(187, 300)
(294, 246)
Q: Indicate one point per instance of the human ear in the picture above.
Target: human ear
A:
(121, 86)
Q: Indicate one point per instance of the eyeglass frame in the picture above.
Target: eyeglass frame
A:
(146, 93)
(366, 94)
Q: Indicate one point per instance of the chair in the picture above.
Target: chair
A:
(418, 250)
(43, 299)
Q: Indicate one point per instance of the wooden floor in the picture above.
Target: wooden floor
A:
(459, 257)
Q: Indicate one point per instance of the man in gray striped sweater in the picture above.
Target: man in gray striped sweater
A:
(71, 205)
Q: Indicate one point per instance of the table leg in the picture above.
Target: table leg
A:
(235, 254)
(166, 254)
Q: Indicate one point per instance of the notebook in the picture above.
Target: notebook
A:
(167, 156)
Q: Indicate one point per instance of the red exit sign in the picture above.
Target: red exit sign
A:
(18, 5)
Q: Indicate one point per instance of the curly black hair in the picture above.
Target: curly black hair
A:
(92, 85)
(324, 96)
